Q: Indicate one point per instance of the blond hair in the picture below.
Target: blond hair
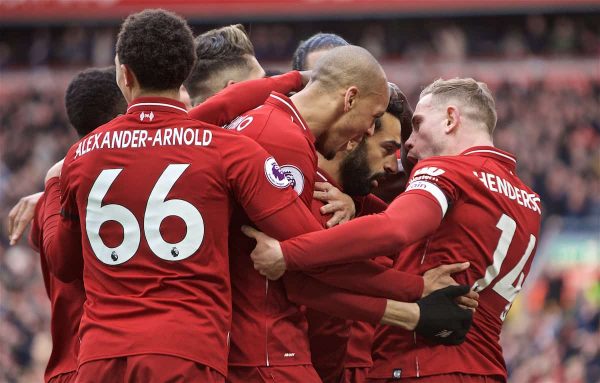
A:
(475, 95)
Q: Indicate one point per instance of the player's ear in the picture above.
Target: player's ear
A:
(229, 83)
(128, 75)
(452, 118)
(351, 145)
(350, 98)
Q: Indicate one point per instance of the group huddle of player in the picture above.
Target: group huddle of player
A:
(148, 230)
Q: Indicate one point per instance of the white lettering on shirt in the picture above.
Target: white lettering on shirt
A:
(125, 139)
(501, 186)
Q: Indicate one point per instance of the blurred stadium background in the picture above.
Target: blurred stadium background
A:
(541, 58)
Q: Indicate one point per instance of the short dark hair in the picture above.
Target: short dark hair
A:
(400, 108)
(158, 46)
(93, 98)
(218, 49)
(318, 42)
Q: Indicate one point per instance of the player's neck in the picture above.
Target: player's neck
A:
(468, 141)
(314, 108)
(332, 167)
(170, 93)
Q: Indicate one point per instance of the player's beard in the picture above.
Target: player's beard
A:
(355, 172)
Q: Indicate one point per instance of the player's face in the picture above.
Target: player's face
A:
(355, 123)
(373, 159)
(428, 123)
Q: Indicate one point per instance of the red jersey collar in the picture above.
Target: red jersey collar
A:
(284, 103)
(325, 177)
(492, 152)
(159, 104)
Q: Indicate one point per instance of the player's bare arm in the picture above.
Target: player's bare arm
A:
(21, 215)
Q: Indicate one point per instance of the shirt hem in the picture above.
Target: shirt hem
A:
(222, 371)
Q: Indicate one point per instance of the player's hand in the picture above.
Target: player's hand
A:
(267, 255)
(468, 301)
(54, 170)
(21, 215)
(441, 320)
(337, 203)
(441, 277)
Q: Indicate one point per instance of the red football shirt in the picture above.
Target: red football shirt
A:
(327, 335)
(493, 221)
(267, 328)
(66, 305)
(240, 97)
(337, 343)
(148, 197)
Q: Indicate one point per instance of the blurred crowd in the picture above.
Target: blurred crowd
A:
(447, 39)
(553, 129)
(554, 339)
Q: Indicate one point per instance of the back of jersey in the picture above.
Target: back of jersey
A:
(493, 221)
(153, 191)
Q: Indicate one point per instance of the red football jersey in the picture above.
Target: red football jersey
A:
(267, 329)
(336, 343)
(492, 219)
(238, 98)
(66, 305)
(153, 192)
(327, 335)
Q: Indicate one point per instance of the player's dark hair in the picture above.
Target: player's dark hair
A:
(218, 49)
(318, 42)
(158, 46)
(400, 108)
(93, 98)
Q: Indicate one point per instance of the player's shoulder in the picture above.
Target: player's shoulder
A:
(439, 166)
(252, 122)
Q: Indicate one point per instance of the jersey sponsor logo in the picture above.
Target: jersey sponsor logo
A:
(295, 177)
(275, 175)
(430, 171)
(149, 116)
(397, 373)
(289, 355)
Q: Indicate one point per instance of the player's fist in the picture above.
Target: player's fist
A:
(441, 320)
(267, 255)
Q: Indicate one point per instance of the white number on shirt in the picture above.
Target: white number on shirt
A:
(157, 209)
(506, 287)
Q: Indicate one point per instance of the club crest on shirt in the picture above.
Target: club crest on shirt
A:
(295, 176)
(275, 175)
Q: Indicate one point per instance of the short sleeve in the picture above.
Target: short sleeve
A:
(255, 178)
